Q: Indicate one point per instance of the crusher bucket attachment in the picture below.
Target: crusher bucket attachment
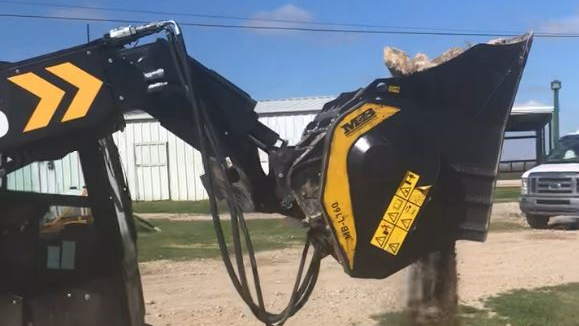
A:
(409, 163)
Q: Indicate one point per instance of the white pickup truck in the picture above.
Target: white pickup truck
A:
(552, 188)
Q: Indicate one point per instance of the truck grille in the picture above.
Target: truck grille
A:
(552, 184)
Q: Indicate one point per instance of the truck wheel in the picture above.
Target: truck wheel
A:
(538, 221)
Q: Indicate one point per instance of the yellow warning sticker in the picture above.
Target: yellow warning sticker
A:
(407, 185)
(408, 215)
(394, 89)
(418, 195)
(400, 214)
(394, 209)
(395, 241)
(382, 234)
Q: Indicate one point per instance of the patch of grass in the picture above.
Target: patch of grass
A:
(186, 240)
(557, 305)
(395, 318)
(468, 316)
(507, 194)
(510, 175)
(505, 226)
(176, 207)
(503, 194)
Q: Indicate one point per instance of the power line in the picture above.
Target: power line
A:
(256, 19)
(81, 19)
(283, 28)
(426, 30)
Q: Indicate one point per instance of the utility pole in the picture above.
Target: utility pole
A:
(555, 86)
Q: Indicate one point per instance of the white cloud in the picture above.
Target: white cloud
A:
(287, 15)
(569, 24)
(531, 103)
(78, 13)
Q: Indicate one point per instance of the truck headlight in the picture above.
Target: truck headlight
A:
(524, 186)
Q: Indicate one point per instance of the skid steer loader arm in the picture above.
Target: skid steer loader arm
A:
(382, 176)
(54, 103)
(73, 100)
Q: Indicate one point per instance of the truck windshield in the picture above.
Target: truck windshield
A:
(567, 152)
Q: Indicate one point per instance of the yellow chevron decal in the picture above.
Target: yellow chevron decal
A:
(50, 96)
(88, 88)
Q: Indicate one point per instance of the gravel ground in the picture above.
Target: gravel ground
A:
(199, 292)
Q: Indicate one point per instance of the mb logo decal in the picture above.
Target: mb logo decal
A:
(358, 121)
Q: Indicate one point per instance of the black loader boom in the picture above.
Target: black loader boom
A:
(382, 176)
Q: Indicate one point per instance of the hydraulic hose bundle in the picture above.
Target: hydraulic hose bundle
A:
(208, 141)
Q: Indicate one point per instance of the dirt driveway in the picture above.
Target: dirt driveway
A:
(199, 292)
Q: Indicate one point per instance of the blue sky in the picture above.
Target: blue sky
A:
(271, 65)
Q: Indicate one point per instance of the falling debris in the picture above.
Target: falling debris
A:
(433, 289)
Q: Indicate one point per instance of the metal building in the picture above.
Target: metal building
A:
(158, 165)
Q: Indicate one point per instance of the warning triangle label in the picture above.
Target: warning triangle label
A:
(394, 247)
(386, 228)
(406, 222)
(380, 240)
(393, 216)
(405, 191)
